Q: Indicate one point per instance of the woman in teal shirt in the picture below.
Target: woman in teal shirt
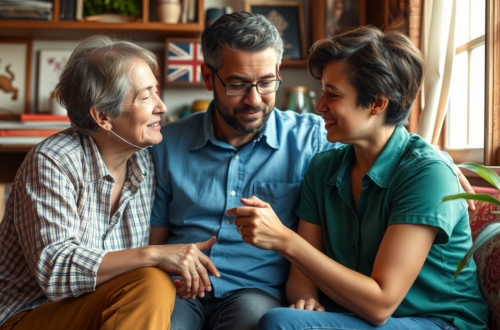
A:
(373, 248)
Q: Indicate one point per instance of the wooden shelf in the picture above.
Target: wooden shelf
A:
(294, 64)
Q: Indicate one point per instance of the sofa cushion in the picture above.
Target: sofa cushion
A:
(488, 257)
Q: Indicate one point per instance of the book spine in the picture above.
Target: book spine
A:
(43, 117)
(29, 132)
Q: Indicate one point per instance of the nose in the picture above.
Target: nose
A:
(320, 105)
(160, 107)
(253, 98)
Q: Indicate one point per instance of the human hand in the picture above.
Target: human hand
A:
(188, 261)
(180, 290)
(258, 224)
(308, 304)
(466, 186)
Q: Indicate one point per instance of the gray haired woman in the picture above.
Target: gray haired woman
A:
(73, 251)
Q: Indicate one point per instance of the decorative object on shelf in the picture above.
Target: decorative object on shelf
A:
(212, 14)
(51, 62)
(55, 107)
(183, 62)
(168, 11)
(188, 11)
(111, 18)
(25, 10)
(288, 18)
(299, 99)
(341, 15)
(15, 75)
(131, 8)
(200, 105)
(398, 15)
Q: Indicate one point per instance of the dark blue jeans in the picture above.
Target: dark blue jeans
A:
(241, 310)
(293, 319)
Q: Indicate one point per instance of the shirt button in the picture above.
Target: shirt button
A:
(237, 157)
(233, 193)
(228, 221)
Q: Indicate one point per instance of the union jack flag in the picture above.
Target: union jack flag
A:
(184, 62)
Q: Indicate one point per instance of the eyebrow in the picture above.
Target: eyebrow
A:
(236, 77)
(332, 87)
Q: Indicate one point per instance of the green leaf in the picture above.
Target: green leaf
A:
(476, 197)
(483, 172)
(486, 235)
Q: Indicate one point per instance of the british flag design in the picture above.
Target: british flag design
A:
(184, 62)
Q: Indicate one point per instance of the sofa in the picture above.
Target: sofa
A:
(488, 257)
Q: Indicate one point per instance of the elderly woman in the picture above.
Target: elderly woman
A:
(373, 249)
(73, 251)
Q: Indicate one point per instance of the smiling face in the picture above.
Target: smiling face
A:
(346, 121)
(140, 121)
(248, 113)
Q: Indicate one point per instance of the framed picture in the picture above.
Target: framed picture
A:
(15, 76)
(183, 62)
(339, 16)
(288, 18)
(50, 64)
(398, 16)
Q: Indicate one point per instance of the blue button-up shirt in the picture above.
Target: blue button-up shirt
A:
(200, 177)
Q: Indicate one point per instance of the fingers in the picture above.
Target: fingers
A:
(205, 280)
(207, 244)
(195, 285)
(254, 201)
(308, 305)
(208, 264)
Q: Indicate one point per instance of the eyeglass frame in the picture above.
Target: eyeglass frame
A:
(251, 85)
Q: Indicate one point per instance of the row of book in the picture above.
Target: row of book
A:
(30, 129)
(25, 10)
(4, 196)
(71, 10)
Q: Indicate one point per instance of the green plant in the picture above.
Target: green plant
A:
(123, 7)
(491, 230)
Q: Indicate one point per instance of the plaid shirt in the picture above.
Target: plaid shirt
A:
(58, 227)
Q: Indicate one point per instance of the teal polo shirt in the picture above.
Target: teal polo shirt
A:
(405, 184)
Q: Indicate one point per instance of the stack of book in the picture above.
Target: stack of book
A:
(25, 10)
(71, 10)
(30, 129)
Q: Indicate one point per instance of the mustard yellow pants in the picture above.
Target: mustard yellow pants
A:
(141, 299)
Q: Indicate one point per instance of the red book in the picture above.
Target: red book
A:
(29, 132)
(42, 117)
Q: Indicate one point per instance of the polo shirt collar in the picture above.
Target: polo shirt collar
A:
(382, 170)
(269, 131)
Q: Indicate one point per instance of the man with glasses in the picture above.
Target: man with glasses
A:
(241, 147)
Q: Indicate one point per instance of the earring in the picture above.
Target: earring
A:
(374, 112)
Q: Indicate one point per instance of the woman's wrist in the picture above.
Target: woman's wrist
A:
(149, 255)
(287, 241)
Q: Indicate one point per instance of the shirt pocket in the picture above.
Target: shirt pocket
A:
(283, 198)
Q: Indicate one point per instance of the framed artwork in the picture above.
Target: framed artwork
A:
(398, 16)
(183, 61)
(332, 17)
(50, 64)
(288, 18)
(15, 76)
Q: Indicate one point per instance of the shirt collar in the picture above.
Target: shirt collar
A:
(382, 170)
(269, 131)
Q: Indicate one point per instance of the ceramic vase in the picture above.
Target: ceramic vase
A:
(168, 11)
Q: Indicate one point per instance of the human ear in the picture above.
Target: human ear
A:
(102, 120)
(380, 104)
(206, 73)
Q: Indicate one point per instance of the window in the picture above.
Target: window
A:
(466, 108)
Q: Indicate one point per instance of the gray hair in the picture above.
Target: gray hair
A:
(239, 31)
(97, 75)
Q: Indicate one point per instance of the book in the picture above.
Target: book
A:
(34, 125)
(79, 10)
(43, 117)
(20, 140)
(4, 197)
(29, 132)
(62, 10)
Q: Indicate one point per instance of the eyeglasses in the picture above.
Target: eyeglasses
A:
(263, 87)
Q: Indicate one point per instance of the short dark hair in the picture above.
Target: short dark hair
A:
(239, 31)
(383, 63)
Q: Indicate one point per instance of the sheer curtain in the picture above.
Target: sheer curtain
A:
(438, 48)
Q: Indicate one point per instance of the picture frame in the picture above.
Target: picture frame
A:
(183, 60)
(15, 76)
(288, 17)
(49, 66)
(335, 17)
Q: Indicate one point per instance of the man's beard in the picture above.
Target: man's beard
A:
(243, 127)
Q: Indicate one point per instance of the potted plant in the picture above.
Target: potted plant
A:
(129, 10)
(492, 229)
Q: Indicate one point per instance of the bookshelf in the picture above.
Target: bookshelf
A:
(144, 29)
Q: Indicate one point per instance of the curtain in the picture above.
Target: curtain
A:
(438, 48)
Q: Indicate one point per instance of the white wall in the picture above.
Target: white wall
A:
(175, 97)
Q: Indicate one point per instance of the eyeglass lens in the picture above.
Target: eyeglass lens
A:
(263, 87)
